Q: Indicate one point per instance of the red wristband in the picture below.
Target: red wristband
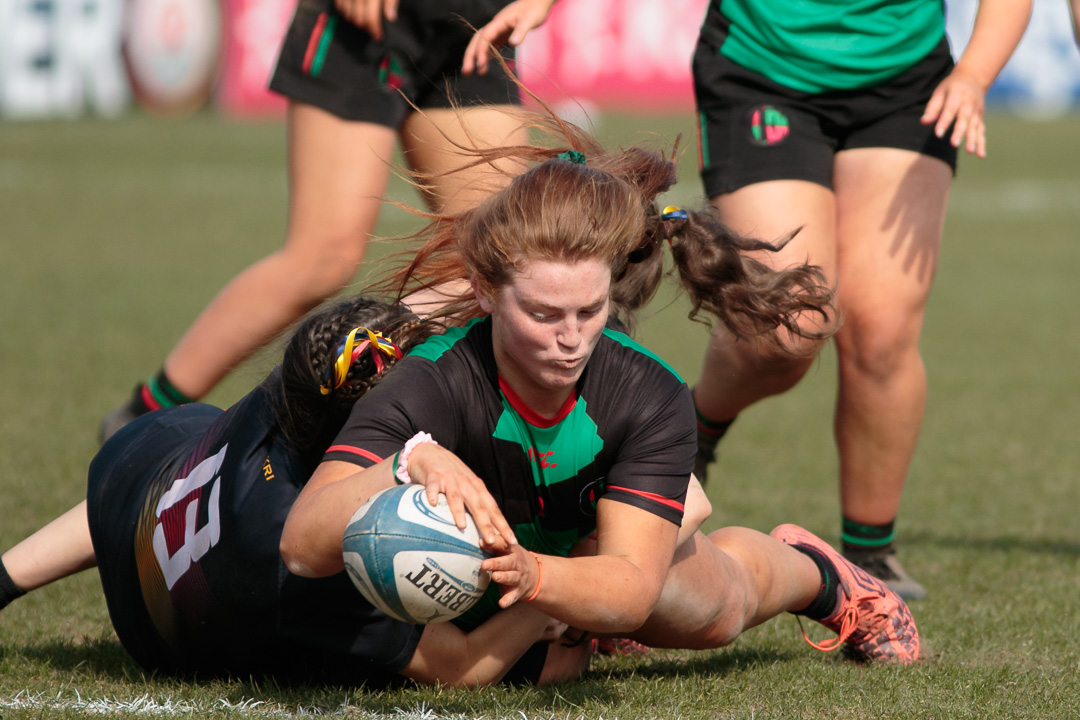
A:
(539, 577)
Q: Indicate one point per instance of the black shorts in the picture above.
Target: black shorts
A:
(752, 129)
(119, 478)
(328, 62)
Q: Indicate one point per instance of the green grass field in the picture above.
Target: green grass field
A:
(113, 235)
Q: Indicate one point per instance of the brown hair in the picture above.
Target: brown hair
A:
(553, 207)
(606, 208)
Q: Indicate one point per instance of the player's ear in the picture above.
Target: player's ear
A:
(481, 297)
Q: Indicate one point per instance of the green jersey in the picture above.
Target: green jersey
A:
(820, 45)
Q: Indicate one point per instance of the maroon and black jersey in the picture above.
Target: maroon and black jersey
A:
(186, 509)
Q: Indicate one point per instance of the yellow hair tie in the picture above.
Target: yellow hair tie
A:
(349, 350)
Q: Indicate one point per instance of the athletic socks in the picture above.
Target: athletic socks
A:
(859, 538)
(8, 590)
(824, 604)
(158, 392)
(710, 431)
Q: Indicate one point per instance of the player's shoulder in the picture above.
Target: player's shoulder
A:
(460, 358)
(454, 341)
(621, 353)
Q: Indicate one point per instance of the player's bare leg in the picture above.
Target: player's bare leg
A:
(736, 374)
(735, 579)
(724, 584)
(891, 213)
(431, 141)
(59, 549)
(338, 174)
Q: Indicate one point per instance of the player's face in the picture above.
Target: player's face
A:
(546, 323)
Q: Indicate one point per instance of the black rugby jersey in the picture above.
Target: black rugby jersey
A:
(627, 434)
(207, 528)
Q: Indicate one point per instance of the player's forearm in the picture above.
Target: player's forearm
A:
(602, 594)
(450, 656)
(999, 25)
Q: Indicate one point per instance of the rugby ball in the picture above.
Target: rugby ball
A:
(410, 560)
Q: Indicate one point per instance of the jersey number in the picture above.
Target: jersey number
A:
(195, 542)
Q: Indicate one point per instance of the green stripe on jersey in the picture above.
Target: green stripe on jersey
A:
(435, 346)
(626, 341)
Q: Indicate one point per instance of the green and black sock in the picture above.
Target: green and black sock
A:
(159, 392)
(711, 429)
(860, 538)
(709, 434)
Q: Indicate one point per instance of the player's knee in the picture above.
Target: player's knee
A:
(779, 367)
(878, 350)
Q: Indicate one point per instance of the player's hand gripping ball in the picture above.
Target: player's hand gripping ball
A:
(410, 560)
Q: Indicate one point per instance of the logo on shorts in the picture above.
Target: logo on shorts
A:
(768, 126)
(390, 75)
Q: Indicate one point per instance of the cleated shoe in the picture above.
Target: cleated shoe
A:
(870, 620)
(121, 416)
(886, 568)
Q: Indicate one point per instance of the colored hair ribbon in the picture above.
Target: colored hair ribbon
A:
(673, 213)
(350, 349)
(573, 156)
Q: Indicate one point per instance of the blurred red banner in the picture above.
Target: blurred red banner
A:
(617, 54)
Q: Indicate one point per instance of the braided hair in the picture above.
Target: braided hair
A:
(319, 385)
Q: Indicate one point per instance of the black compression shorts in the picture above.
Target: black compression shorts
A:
(752, 129)
(328, 62)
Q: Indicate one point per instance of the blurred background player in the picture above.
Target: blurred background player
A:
(350, 70)
(1074, 9)
(843, 120)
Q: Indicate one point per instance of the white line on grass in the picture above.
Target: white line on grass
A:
(1016, 197)
(146, 705)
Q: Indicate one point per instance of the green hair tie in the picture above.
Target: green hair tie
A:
(573, 156)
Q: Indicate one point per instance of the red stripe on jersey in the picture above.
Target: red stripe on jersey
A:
(355, 451)
(531, 416)
(313, 42)
(651, 496)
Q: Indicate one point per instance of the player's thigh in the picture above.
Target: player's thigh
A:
(773, 210)
(890, 216)
(437, 141)
(766, 162)
(338, 175)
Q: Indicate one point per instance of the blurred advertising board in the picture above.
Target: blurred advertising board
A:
(65, 58)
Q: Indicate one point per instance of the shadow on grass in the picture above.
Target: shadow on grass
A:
(1001, 543)
(103, 661)
(677, 663)
(89, 660)
(101, 657)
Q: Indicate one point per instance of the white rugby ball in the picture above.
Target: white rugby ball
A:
(410, 560)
